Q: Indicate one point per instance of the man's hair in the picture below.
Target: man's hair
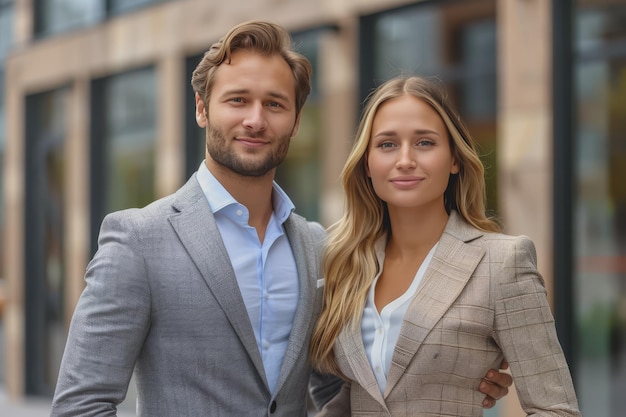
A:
(262, 37)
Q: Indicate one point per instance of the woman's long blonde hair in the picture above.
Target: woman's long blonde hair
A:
(349, 262)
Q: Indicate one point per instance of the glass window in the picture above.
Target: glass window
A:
(123, 142)
(299, 175)
(131, 139)
(6, 29)
(599, 209)
(406, 42)
(453, 41)
(44, 264)
(55, 16)
(195, 138)
(120, 6)
(6, 39)
(2, 144)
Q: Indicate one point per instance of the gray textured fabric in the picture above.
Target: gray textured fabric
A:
(162, 300)
(481, 298)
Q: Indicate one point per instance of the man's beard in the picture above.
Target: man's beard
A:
(224, 155)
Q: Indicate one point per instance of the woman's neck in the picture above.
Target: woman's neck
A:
(413, 230)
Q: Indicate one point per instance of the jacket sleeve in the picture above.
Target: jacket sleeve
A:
(526, 333)
(323, 388)
(339, 405)
(108, 327)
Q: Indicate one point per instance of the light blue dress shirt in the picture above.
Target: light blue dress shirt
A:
(381, 331)
(266, 272)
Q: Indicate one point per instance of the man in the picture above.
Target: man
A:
(210, 294)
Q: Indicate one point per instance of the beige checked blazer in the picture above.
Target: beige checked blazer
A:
(481, 299)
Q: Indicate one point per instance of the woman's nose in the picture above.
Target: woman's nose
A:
(406, 158)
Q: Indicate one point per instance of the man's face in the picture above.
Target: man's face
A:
(251, 115)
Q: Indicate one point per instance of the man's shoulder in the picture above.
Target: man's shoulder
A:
(157, 208)
(309, 226)
(150, 215)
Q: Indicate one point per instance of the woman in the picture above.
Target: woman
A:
(422, 293)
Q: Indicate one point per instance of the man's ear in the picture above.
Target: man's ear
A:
(201, 114)
(296, 125)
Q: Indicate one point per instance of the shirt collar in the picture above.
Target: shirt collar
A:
(219, 198)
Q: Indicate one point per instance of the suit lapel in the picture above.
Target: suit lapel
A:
(299, 240)
(453, 263)
(196, 228)
(307, 265)
(351, 343)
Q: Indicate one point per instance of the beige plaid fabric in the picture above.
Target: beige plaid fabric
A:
(482, 298)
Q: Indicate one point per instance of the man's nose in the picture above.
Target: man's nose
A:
(255, 118)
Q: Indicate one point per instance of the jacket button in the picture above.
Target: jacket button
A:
(273, 406)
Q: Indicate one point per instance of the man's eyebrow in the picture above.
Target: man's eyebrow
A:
(235, 91)
(280, 96)
(274, 94)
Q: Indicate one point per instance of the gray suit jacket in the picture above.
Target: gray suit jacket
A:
(481, 298)
(162, 299)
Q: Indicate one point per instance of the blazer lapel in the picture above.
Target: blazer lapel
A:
(307, 265)
(350, 341)
(195, 225)
(452, 265)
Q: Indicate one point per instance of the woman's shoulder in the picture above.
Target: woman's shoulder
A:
(499, 238)
(518, 249)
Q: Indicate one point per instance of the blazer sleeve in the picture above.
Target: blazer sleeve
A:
(339, 405)
(323, 388)
(525, 331)
(108, 327)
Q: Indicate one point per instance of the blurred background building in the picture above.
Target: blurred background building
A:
(97, 114)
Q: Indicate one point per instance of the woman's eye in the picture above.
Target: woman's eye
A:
(386, 145)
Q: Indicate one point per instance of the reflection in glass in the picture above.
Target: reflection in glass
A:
(600, 208)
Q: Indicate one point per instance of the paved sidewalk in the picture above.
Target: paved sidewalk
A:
(34, 407)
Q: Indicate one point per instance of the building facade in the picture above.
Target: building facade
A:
(97, 114)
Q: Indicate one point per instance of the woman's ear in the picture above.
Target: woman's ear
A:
(455, 167)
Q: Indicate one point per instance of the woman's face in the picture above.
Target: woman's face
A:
(409, 159)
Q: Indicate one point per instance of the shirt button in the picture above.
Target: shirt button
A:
(380, 330)
(378, 369)
(239, 212)
(266, 344)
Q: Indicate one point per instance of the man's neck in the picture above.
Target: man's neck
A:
(255, 193)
